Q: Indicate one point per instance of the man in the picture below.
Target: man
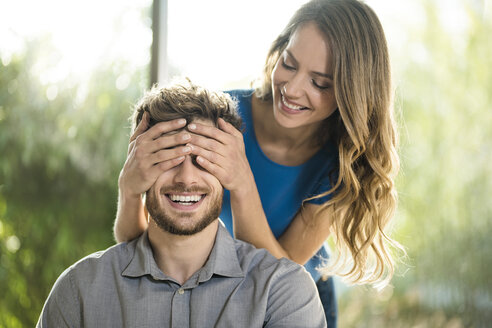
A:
(186, 270)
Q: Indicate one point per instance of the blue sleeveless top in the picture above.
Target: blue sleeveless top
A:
(282, 188)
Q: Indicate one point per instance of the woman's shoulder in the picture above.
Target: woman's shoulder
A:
(243, 99)
(240, 94)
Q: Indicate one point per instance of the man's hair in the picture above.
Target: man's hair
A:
(186, 100)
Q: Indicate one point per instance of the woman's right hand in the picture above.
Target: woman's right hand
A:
(151, 152)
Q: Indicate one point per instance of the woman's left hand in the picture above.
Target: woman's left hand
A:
(221, 152)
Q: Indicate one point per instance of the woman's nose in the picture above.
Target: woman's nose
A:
(294, 87)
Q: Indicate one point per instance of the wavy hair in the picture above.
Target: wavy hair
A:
(364, 197)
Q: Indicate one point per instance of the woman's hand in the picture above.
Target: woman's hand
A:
(221, 152)
(151, 152)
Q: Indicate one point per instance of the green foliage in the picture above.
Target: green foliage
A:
(60, 159)
(445, 212)
(59, 164)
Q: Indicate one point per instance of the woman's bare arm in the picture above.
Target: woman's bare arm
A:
(131, 219)
(302, 239)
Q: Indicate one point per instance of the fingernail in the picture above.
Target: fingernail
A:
(199, 159)
(186, 149)
(181, 121)
(186, 136)
(192, 126)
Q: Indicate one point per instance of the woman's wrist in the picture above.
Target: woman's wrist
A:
(127, 195)
(246, 189)
(126, 192)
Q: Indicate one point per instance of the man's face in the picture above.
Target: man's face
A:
(185, 199)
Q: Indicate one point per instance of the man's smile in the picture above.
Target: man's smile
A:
(185, 201)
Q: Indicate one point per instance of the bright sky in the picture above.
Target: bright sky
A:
(221, 40)
(215, 42)
(85, 34)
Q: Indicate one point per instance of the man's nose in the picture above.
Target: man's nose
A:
(187, 172)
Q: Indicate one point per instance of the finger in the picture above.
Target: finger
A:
(152, 173)
(167, 165)
(209, 131)
(210, 156)
(206, 143)
(229, 128)
(212, 168)
(164, 127)
(170, 141)
(141, 127)
(169, 154)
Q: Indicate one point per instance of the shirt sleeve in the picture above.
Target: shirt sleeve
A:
(294, 300)
(61, 309)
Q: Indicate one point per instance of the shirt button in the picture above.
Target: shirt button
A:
(181, 291)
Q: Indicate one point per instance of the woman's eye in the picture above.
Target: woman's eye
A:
(319, 86)
(284, 65)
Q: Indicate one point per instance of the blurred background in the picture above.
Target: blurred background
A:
(71, 70)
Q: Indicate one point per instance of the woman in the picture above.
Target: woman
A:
(317, 155)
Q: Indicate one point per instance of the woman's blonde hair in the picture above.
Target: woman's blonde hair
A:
(363, 198)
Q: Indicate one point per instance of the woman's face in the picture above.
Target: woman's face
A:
(302, 80)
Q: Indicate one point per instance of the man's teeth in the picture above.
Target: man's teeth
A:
(185, 200)
(290, 106)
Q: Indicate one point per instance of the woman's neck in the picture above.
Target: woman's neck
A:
(286, 146)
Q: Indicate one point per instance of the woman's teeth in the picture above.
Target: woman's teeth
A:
(290, 106)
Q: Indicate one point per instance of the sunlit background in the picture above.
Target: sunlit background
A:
(70, 71)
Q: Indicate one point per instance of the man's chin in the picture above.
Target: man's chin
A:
(184, 225)
(183, 222)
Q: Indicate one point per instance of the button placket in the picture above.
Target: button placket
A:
(180, 310)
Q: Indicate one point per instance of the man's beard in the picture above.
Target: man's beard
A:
(171, 224)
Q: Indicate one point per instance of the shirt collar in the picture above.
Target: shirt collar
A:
(222, 260)
(142, 260)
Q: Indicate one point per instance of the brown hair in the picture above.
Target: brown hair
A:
(364, 196)
(186, 100)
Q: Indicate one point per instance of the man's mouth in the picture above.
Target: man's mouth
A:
(185, 200)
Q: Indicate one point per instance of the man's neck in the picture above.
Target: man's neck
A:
(180, 257)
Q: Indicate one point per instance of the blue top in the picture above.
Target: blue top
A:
(282, 188)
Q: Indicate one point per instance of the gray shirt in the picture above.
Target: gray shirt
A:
(239, 286)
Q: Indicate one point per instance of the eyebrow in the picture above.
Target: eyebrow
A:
(325, 75)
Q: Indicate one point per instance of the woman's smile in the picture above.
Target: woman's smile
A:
(303, 91)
